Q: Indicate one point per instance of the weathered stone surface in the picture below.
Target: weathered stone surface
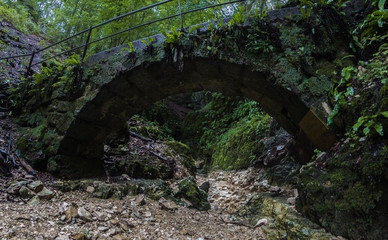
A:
(45, 193)
(25, 192)
(35, 186)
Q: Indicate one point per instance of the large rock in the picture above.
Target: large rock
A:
(346, 191)
(188, 189)
(278, 220)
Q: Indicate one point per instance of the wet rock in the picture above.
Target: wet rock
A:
(35, 186)
(189, 190)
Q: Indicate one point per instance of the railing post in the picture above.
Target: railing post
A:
(180, 13)
(30, 64)
(86, 44)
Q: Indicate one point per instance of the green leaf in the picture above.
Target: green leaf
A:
(150, 40)
(333, 114)
(145, 42)
(12, 90)
(358, 124)
(385, 114)
(164, 33)
(366, 131)
(379, 128)
(131, 47)
(381, 4)
(193, 28)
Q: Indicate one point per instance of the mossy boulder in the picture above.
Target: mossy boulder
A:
(183, 151)
(345, 191)
(282, 221)
(141, 167)
(189, 190)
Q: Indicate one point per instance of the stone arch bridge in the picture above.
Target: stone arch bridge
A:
(285, 67)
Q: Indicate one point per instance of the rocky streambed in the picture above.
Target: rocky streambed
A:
(242, 206)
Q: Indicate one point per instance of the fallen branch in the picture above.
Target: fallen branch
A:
(160, 157)
(26, 166)
(169, 162)
(140, 137)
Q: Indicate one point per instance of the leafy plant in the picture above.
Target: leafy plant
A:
(148, 42)
(238, 17)
(195, 27)
(341, 90)
(373, 29)
(172, 38)
(370, 123)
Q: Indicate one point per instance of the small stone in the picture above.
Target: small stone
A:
(274, 189)
(114, 221)
(140, 200)
(111, 232)
(25, 192)
(291, 200)
(90, 189)
(102, 228)
(79, 236)
(15, 187)
(71, 212)
(84, 214)
(34, 201)
(261, 222)
(29, 176)
(148, 214)
(22, 217)
(35, 186)
(120, 237)
(45, 193)
(167, 205)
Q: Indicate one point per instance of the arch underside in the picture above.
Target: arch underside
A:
(131, 91)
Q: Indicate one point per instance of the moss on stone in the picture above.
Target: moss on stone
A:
(228, 131)
(189, 190)
(348, 196)
(184, 151)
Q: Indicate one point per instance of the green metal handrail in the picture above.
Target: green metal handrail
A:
(89, 31)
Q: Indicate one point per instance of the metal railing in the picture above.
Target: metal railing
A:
(89, 31)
